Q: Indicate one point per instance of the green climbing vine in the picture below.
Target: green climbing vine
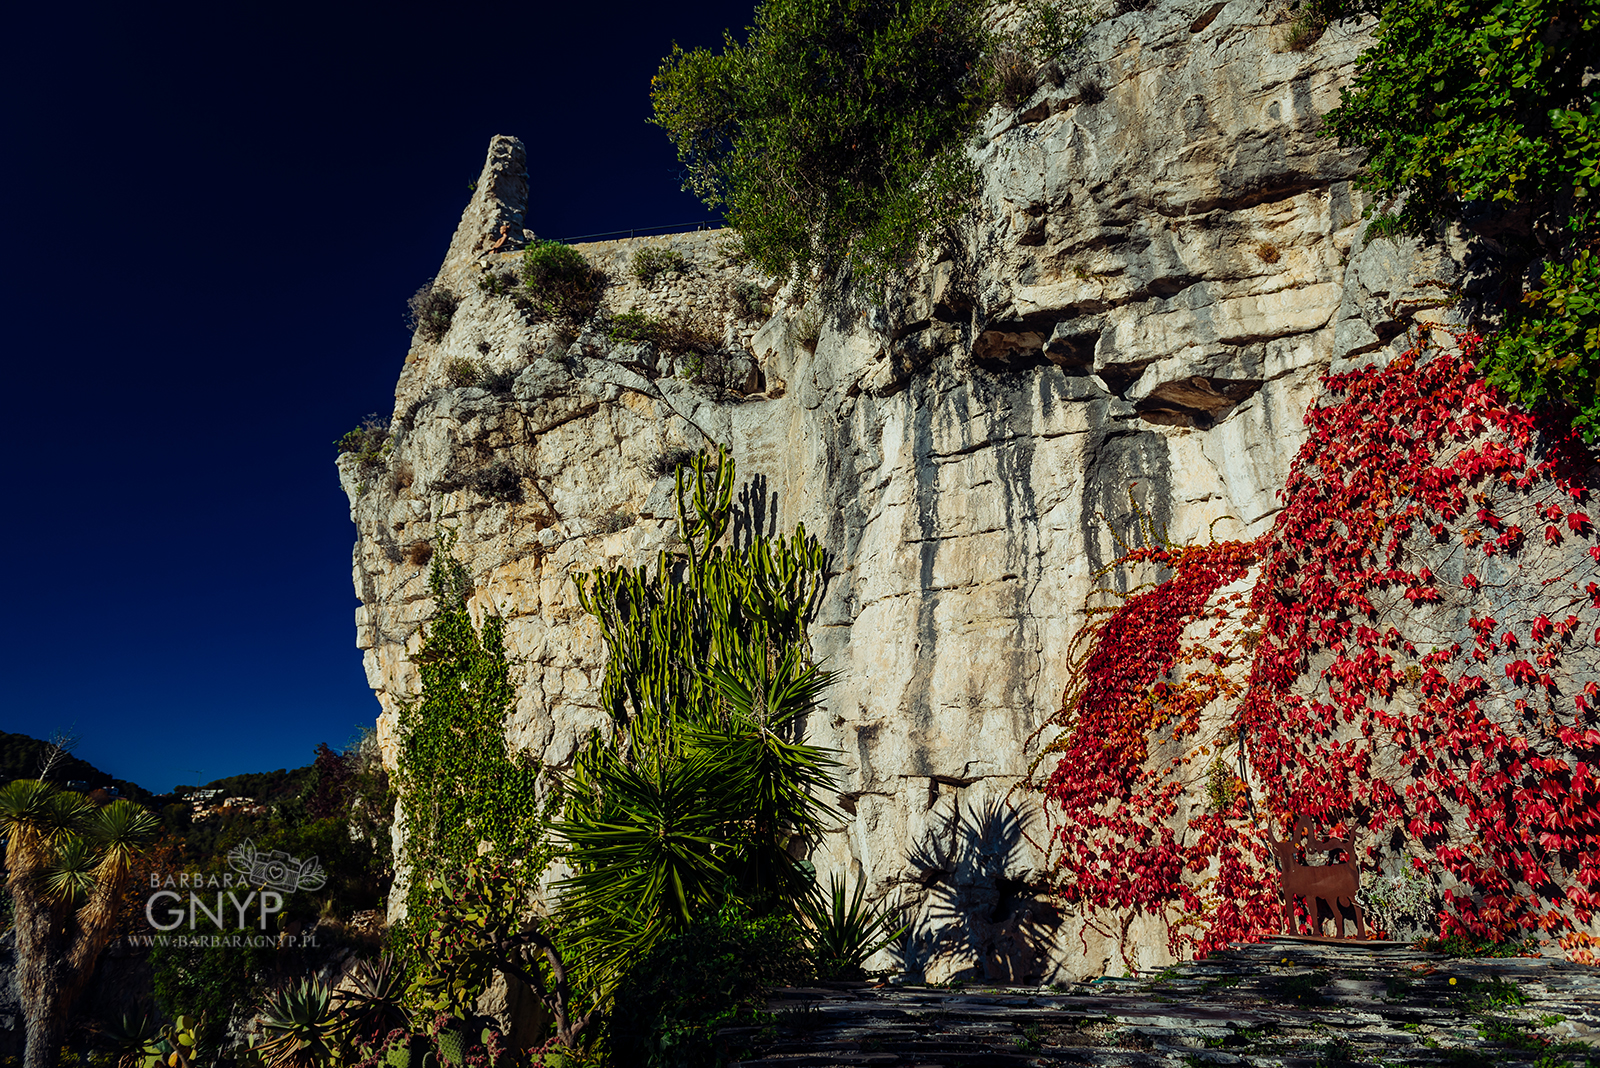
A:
(462, 792)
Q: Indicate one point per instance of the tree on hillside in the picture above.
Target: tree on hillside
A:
(68, 862)
(834, 135)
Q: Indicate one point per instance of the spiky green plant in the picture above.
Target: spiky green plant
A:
(702, 787)
(844, 934)
(67, 863)
(131, 1039)
(373, 1004)
(305, 1031)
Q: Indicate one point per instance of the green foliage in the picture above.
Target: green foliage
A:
(1385, 225)
(833, 136)
(430, 311)
(711, 976)
(211, 983)
(750, 300)
(131, 1039)
(461, 371)
(459, 786)
(1476, 100)
(699, 793)
(560, 283)
(843, 935)
(678, 336)
(458, 954)
(1053, 27)
(653, 261)
(1048, 29)
(500, 481)
(1309, 21)
(1549, 350)
(368, 443)
(178, 1045)
(481, 925)
(1460, 945)
(301, 1028)
(633, 325)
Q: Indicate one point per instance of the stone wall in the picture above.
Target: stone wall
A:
(1165, 259)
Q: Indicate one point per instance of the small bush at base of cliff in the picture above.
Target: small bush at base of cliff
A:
(714, 975)
(561, 283)
(430, 311)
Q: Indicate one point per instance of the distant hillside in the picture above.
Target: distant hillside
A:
(21, 757)
(267, 787)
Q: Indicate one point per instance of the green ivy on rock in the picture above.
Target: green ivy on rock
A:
(1476, 100)
(462, 791)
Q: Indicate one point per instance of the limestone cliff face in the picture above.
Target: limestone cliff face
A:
(1165, 260)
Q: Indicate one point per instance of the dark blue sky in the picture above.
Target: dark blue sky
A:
(213, 217)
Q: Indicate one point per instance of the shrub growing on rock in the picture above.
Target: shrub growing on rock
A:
(500, 481)
(653, 261)
(430, 311)
(561, 283)
(368, 443)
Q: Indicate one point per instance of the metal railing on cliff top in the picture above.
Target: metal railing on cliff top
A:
(648, 231)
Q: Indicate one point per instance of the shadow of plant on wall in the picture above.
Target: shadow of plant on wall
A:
(980, 911)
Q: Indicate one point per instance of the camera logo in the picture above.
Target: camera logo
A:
(276, 869)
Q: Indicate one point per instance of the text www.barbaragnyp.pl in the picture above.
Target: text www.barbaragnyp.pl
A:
(236, 941)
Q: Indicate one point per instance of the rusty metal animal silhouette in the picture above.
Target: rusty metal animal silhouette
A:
(1334, 883)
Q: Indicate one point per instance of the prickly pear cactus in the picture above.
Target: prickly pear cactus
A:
(452, 1045)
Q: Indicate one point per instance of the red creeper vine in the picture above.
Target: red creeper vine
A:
(1425, 667)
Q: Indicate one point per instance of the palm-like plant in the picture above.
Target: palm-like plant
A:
(701, 789)
(68, 862)
(844, 934)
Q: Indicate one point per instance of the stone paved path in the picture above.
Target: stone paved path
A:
(1277, 1003)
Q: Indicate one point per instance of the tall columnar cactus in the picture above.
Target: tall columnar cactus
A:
(701, 788)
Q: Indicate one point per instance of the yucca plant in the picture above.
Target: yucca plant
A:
(844, 934)
(68, 863)
(304, 1029)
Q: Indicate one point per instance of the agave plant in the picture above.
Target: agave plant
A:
(131, 1039)
(372, 1006)
(844, 935)
(304, 1028)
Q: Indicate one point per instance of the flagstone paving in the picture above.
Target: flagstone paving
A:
(1277, 1003)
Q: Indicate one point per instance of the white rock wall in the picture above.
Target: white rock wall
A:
(1164, 261)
